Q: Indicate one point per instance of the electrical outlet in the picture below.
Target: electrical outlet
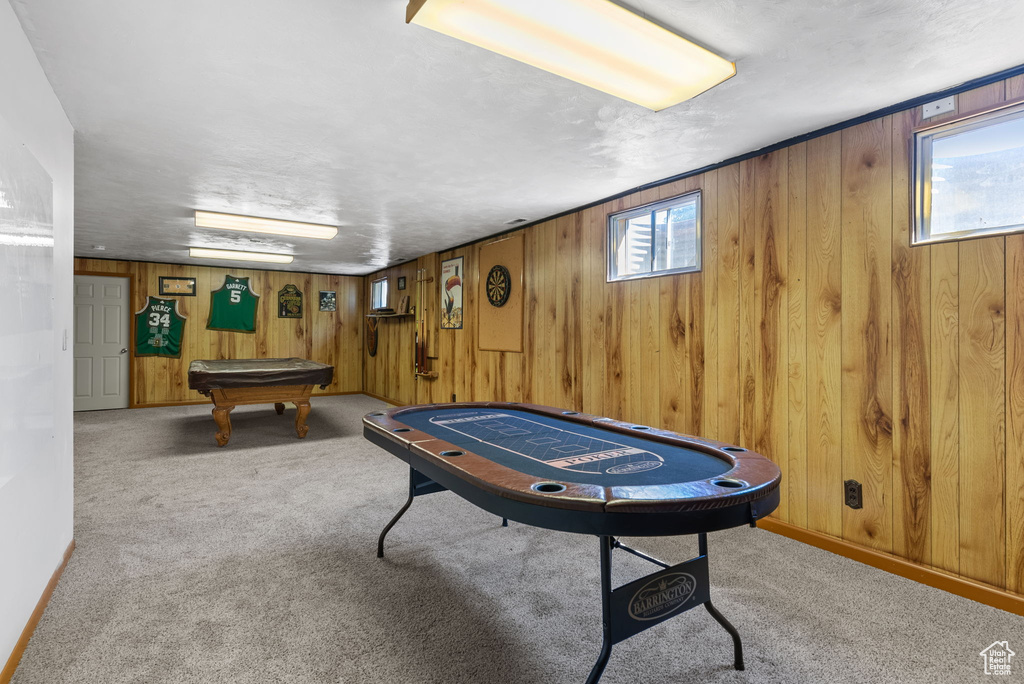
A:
(854, 494)
(938, 107)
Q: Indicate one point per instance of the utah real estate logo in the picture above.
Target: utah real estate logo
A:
(997, 658)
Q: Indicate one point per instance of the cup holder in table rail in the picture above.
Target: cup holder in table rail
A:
(728, 483)
(548, 487)
(402, 430)
(639, 427)
(570, 413)
(451, 452)
(378, 413)
(733, 449)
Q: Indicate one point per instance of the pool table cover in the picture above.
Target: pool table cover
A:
(206, 375)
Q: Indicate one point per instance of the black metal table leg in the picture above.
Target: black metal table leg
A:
(737, 646)
(401, 512)
(504, 522)
(606, 611)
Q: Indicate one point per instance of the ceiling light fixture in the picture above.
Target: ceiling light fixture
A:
(593, 42)
(252, 224)
(204, 253)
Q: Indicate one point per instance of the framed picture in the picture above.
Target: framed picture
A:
(178, 287)
(401, 282)
(452, 275)
(328, 300)
(289, 302)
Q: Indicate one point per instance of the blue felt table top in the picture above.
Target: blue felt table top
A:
(564, 450)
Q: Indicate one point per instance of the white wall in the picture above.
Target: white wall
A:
(36, 503)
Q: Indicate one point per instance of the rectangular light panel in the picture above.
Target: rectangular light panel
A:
(252, 224)
(204, 253)
(593, 42)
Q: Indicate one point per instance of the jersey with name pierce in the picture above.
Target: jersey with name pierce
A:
(159, 328)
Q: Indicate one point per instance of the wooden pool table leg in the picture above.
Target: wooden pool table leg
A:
(606, 611)
(279, 407)
(222, 416)
(301, 411)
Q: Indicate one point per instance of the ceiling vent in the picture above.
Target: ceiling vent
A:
(515, 222)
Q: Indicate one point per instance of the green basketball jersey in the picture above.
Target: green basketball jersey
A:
(233, 306)
(159, 328)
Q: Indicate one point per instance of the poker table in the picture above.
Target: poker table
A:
(234, 382)
(574, 472)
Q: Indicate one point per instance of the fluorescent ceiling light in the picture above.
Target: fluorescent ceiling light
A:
(204, 253)
(251, 224)
(593, 42)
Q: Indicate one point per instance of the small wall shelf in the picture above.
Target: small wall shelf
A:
(394, 315)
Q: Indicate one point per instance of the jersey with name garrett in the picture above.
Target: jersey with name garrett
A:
(233, 306)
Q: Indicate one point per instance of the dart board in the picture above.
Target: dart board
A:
(499, 285)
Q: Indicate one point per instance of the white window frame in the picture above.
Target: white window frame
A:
(612, 255)
(922, 172)
(384, 294)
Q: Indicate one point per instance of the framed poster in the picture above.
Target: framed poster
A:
(401, 282)
(328, 300)
(177, 287)
(452, 274)
(289, 302)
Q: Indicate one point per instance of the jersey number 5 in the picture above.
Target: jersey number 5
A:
(236, 297)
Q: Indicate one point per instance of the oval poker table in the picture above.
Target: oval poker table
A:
(574, 472)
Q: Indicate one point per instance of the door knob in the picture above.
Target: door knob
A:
(125, 350)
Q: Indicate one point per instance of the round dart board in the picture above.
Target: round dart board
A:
(499, 285)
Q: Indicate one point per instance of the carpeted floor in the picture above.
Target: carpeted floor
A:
(256, 563)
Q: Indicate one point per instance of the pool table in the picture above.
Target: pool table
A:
(236, 382)
(574, 472)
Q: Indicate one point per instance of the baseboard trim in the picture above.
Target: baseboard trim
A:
(19, 649)
(190, 402)
(378, 398)
(961, 586)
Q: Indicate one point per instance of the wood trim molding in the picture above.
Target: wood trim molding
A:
(112, 274)
(19, 649)
(378, 398)
(200, 402)
(961, 586)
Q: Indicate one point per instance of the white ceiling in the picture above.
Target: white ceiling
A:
(336, 111)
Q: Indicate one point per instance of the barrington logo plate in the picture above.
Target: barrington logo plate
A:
(653, 599)
(662, 596)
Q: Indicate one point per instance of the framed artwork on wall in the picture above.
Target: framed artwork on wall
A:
(328, 300)
(452, 275)
(289, 302)
(177, 287)
(401, 282)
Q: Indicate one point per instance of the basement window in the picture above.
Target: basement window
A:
(655, 239)
(379, 293)
(969, 176)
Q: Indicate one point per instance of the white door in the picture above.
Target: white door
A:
(102, 316)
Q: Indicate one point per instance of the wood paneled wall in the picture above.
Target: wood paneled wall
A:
(328, 337)
(391, 372)
(815, 334)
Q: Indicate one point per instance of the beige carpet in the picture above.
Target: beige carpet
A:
(256, 563)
